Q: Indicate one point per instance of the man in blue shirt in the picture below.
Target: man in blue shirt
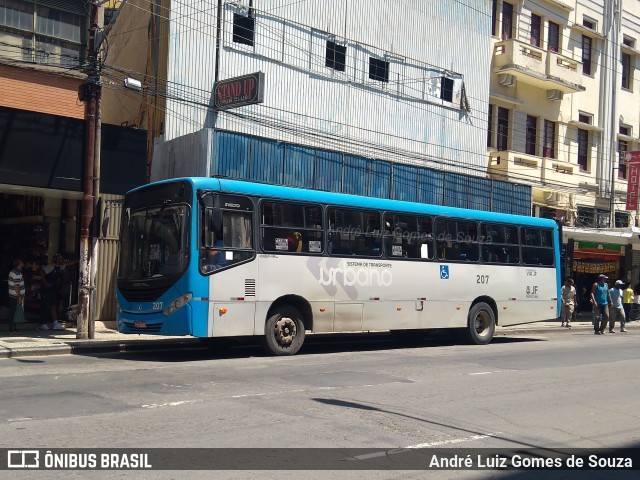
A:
(601, 299)
(617, 309)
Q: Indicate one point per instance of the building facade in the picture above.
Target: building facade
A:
(563, 112)
(391, 103)
(42, 50)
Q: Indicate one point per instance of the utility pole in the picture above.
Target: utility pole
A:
(90, 92)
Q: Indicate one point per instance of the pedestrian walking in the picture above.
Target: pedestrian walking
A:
(601, 299)
(16, 291)
(568, 293)
(627, 302)
(617, 310)
(50, 274)
(635, 311)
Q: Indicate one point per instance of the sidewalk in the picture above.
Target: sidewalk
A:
(31, 342)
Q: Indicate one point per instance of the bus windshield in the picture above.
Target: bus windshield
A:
(155, 242)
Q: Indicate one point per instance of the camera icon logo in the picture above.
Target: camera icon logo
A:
(23, 459)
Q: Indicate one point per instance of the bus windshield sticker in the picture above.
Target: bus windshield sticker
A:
(228, 255)
(396, 250)
(282, 244)
(315, 246)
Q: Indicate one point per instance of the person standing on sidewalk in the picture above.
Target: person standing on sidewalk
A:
(568, 293)
(16, 291)
(50, 274)
(601, 299)
(617, 310)
(627, 302)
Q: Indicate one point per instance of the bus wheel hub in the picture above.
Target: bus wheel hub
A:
(285, 330)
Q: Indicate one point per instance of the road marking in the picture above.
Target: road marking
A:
(394, 451)
(19, 419)
(313, 389)
(454, 440)
(170, 404)
(481, 373)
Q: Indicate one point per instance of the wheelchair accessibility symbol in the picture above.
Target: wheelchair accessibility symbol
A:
(444, 272)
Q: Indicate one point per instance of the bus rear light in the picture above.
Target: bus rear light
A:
(237, 299)
(322, 309)
(222, 311)
(458, 308)
(177, 304)
(399, 309)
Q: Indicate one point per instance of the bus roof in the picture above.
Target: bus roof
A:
(306, 195)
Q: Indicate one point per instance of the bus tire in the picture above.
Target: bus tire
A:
(284, 331)
(481, 324)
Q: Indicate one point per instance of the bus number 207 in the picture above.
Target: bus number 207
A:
(484, 279)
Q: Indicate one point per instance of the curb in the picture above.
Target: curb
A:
(83, 348)
(507, 331)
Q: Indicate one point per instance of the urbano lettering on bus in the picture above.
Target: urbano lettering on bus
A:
(364, 277)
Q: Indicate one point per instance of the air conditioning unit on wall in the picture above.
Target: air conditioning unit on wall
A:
(507, 80)
(555, 95)
(555, 198)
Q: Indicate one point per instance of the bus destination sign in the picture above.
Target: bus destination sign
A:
(239, 91)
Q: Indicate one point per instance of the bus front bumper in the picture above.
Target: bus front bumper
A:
(157, 323)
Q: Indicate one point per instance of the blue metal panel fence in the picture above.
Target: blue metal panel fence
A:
(456, 190)
(269, 161)
(480, 193)
(328, 174)
(521, 200)
(299, 163)
(405, 183)
(379, 178)
(430, 186)
(355, 175)
(232, 155)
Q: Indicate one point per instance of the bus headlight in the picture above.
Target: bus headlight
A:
(177, 304)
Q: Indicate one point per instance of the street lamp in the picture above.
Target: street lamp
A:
(133, 84)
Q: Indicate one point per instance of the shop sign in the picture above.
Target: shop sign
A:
(598, 247)
(239, 91)
(632, 159)
(595, 268)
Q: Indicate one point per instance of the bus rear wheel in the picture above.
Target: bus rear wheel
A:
(481, 324)
(284, 332)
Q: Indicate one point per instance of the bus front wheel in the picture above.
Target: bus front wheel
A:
(284, 332)
(481, 325)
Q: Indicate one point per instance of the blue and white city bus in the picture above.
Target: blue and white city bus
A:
(215, 257)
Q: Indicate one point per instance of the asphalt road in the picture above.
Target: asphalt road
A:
(547, 391)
